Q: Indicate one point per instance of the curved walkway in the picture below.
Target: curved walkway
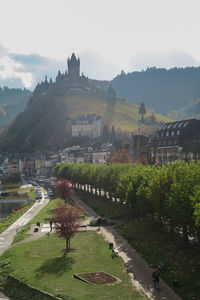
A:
(138, 269)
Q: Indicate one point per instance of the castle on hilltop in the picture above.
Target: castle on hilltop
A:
(71, 83)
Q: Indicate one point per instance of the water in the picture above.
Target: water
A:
(8, 205)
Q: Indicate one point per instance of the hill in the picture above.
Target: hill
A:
(44, 124)
(161, 90)
(12, 101)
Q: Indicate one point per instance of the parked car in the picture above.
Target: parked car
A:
(101, 221)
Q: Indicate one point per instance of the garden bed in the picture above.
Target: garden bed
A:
(97, 278)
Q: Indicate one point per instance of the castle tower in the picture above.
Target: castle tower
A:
(73, 68)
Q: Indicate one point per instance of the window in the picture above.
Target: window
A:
(178, 132)
(167, 133)
(172, 133)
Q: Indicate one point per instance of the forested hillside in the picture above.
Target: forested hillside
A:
(43, 124)
(12, 102)
(160, 89)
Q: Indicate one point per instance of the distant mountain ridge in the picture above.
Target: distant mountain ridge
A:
(12, 101)
(160, 89)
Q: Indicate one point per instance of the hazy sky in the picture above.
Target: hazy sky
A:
(37, 36)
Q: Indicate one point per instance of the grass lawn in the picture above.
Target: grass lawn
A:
(40, 264)
(46, 212)
(156, 245)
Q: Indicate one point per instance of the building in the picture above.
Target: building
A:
(140, 149)
(87, 125)
(101, 155)
(179, 140)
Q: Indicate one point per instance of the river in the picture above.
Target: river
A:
(7, 205)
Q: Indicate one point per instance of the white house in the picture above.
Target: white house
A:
(87, 125)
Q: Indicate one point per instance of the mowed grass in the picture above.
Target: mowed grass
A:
(46, 212)
(41, 265)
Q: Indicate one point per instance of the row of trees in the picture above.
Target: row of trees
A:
(168, 194)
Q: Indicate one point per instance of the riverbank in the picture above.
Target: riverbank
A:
(17, 195)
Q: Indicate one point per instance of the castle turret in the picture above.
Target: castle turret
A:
(73, 68)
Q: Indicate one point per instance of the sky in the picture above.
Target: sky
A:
(37, 37)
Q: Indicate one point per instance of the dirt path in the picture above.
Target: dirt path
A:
(138, 269)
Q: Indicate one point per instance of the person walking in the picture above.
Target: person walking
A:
(51, 224)
(156, 276)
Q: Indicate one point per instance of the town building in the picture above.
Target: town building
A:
(178, 140)
(87, 125)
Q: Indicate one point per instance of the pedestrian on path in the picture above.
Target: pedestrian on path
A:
(156, 275)
(51, 224)
(38, 222)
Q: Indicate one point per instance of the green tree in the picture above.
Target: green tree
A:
(142, 111)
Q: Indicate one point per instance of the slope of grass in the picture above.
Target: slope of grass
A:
(119, 113)
(41, 265)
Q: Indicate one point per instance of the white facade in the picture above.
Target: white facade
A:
(87, 125)
(100, 157)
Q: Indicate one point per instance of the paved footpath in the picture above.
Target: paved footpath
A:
(6, 237)
(138, 269)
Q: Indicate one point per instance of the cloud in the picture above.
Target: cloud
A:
(26, 70)
(11, 72)
(170, 59)
(96, 66)
(32, 68)
(39, 66)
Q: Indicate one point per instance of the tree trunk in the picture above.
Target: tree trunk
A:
(185, 235)
(66, 245)
(171, 227)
